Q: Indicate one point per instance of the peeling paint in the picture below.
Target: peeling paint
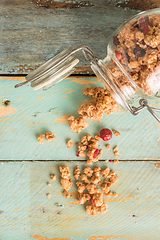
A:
(40, 237)
(4, 111)
(83, 81)
(63, 4)
(63, 119)
(157, 165)
(110, 237)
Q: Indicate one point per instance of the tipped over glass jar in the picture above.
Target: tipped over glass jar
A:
(131, 69)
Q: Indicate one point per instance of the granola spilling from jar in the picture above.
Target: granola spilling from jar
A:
(138, 50)
(102, 102)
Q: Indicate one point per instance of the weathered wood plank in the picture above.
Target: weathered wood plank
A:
(33, 31)
(32, 113)
(26, 212)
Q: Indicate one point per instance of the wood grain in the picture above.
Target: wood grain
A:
(27, 213)
(33, 31)
(31, 113)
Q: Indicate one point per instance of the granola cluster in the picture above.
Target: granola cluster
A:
(94, 185)
(49, 136)
(102, 102)
(90, 145)
(66, 181)
(138, 50)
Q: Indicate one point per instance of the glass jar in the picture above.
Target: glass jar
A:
(130, 70)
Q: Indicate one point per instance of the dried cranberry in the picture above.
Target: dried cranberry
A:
(93, 202)
(77, 154)
(116, 40)
(143, 24)
(96, 152)
(139, 52)
(106, 134)
(118, 55)
(113, 61)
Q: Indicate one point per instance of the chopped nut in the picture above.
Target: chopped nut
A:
(66, 183)
(48, 184)
(108, 147)
(66, 194)
(48, 195)
(53, 177)
(70, 144)
(88, 171)
(40, 138)
(105, 172)
(114, 179)
(50, 136)
(64, 172)
(88, 137)
(91, 210)
(116, 133)
(115, 149)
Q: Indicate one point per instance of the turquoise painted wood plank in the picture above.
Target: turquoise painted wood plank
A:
(19, 128)
(33, 31)
(27, 213)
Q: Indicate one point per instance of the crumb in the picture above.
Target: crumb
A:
(77, 172)
(114, 179)
(41, 138)
(91, 188)
(77, 124)
(89, 162)
(48, 184)
(84, 178)
(88, 171)
(50, 136)
(70, 144)
(95, 178)
(97, 169)
(83, 198)
(102, 209)
(105, 187)
(53, 177)
(108, 147)
(98, 199)
(115, 162)
(116, 132)
(106, 160)
(97, 137)
(91, 210)
(66, 183)
(64, 172)
(48, 195)
(66, 194)
(114, 194)
(108, 194)
(105, 172)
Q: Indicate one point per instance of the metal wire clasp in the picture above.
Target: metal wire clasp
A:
(144, 105)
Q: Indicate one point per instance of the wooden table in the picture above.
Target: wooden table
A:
(32, 32)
